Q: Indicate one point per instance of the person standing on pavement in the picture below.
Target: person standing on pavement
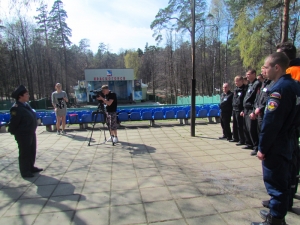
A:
(226, 112)
(250, 123)
(277, 138)
(111, 102)
(22, 125)
(261, 101)
(294, 70)
(59, 102)
(237, 104)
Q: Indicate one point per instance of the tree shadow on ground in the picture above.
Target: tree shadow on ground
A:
(38, 196)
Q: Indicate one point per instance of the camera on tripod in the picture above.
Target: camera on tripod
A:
(97, 93)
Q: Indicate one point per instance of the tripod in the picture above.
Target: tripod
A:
(100, 110)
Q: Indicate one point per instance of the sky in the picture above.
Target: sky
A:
(119, 24)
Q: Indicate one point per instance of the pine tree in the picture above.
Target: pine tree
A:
(59, 34)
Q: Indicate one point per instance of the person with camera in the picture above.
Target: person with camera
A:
(59, 102)
(23, 125)
(110, 100)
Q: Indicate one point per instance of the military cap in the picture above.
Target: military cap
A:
(18, 90)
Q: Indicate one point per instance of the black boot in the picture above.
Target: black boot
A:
(265, 213)
(265, 203)
(270, 220)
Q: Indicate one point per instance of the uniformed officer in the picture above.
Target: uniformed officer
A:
(277, 137)
(22, 125)
(237, 107)
(250, 123)
(294, 69)
(226, 111)
(260, 102)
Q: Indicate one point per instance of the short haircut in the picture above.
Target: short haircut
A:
(245, 78)
(252, 71)
(21, 94)
(288, 48)
(259, 75)
(104, 86)
(280, 59)
(239, 77)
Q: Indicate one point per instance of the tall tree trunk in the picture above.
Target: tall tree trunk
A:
(285, 21)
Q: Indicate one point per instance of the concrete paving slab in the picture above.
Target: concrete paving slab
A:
(125, 197)
(61, 203)
(91, 216)
(94, 200)
(155, 175)
(54, 218)
(17, 220)
(129, 214)
(160, 211)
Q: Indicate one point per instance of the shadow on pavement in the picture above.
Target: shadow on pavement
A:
(55, 199)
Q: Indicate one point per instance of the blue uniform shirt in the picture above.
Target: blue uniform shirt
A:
(281, 118)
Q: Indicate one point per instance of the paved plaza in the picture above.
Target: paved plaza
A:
(155, 175)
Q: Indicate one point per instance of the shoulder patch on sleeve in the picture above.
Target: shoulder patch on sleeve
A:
(272, 105)
(13, 113)
(275, 95)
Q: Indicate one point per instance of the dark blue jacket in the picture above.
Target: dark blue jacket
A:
(22, 120)
(282, 115)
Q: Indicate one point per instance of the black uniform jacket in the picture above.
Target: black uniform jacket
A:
(238, 98)
(22, 119)
(261, 99)
(281, 119)
(253, 90)
(226, 102)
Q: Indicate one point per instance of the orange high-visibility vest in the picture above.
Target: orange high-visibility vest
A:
(294, 71)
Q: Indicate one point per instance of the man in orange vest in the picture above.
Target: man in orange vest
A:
(290, 50)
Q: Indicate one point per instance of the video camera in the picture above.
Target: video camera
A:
(96, 94)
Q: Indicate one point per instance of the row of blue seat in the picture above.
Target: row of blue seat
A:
(133, 116)
(85, 116)
(171, 114)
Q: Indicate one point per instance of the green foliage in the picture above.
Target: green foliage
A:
(60, 32)
(132, 61)
(257, 29)
(178, 16)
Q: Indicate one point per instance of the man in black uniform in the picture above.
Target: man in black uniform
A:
(260, 103)
(237, 104)
(277, 137)
(110, 99)
(22, 125)
(226, 111)
(250, 123)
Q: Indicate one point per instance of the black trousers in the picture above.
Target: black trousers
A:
(238, 127)
(295, 169)
(225, 123)
(276, 176)
(250, 129)
(27, 152)
(259, 123)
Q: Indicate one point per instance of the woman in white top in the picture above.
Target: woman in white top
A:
(59, 102)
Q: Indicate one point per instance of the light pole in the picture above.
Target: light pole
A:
(193, 97)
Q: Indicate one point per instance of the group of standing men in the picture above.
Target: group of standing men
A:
(266, 119)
